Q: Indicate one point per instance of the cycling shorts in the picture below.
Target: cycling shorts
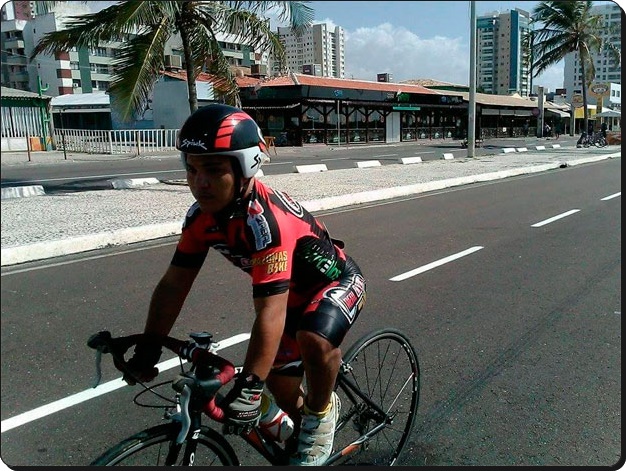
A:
(330, 313)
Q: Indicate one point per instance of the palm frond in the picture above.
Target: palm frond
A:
(114, 23)
(137, 67)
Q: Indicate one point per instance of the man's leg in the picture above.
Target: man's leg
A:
(321, 362)
(288, 393)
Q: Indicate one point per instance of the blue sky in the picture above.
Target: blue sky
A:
(415, 39)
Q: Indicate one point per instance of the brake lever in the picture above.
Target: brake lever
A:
(185, 419)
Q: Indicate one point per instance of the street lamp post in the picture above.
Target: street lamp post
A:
(471, 110)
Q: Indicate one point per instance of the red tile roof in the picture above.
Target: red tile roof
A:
(302, 79)
(244, 81)
(331, 82)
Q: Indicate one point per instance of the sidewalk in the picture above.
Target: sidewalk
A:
(41, 227)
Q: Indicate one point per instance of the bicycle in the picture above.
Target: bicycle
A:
(378, 384)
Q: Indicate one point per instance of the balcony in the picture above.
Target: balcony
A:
(14, 43)
(16, 60)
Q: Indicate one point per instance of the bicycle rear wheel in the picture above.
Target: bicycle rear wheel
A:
(384, 366)
(150, 448)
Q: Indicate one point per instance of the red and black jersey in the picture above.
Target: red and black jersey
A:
(271, 237)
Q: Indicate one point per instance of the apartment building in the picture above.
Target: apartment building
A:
(501, 68)
(607, 69)
(84, 70)
(320, 50)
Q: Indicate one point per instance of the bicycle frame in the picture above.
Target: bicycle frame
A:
(272, 451)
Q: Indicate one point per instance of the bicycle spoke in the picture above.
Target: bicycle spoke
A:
(384, 367)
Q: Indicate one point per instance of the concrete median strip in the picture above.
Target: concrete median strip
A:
(74, 245)
(367, 164)
(310, 168)
(123, 183)
(22, 191)
(410, 160)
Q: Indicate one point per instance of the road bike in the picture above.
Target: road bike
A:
(596, 139)
(378, 384)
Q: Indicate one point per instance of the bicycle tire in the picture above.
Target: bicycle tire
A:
(384, 365)
(150, 447)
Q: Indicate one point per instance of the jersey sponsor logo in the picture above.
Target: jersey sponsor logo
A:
(350, 300)
(292, 205)
(276, 262)
(323, 261)
(259, 225)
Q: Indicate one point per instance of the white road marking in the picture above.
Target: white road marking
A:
(102, 389)
(438, 263)
(555, 218)
(606, 198)
(386, 155)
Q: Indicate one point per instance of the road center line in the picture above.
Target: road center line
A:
(615, 195)
(435, 264)
(102, 389)
(555, 218)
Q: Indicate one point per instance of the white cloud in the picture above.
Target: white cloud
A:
(396, 50)
(387, 48)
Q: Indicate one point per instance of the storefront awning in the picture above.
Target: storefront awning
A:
(275, 107)
(562, 114)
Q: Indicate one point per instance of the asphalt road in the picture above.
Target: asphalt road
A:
(519, 341)
(93, 173)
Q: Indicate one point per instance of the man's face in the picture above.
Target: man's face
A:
(211, 181)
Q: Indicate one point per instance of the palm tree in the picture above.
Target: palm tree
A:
(144, 28)
(566, 27)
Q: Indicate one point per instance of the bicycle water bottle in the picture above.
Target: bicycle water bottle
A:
(274, 421)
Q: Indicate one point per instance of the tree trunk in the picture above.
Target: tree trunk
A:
(189, 65)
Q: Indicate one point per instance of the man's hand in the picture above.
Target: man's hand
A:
(141, 366)
(242, 405)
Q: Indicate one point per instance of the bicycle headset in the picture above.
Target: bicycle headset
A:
(223, 130)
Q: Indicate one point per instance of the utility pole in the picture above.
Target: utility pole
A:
(45, 119)
(471, 109)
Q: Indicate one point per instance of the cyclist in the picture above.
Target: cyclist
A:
(307, 292)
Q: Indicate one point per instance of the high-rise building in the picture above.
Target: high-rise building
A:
(82, 70)
(501, 68)
(608, 70)
(320, 48)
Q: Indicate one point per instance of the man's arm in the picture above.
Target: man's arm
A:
(168, 299)
(266, 333)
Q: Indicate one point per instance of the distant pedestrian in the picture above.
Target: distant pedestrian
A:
(557, 130)
(590, 128)
(603, 129)
(526, 127)
(546, 131)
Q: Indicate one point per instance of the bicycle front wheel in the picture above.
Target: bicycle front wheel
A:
(383, 365)
(151, 447)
